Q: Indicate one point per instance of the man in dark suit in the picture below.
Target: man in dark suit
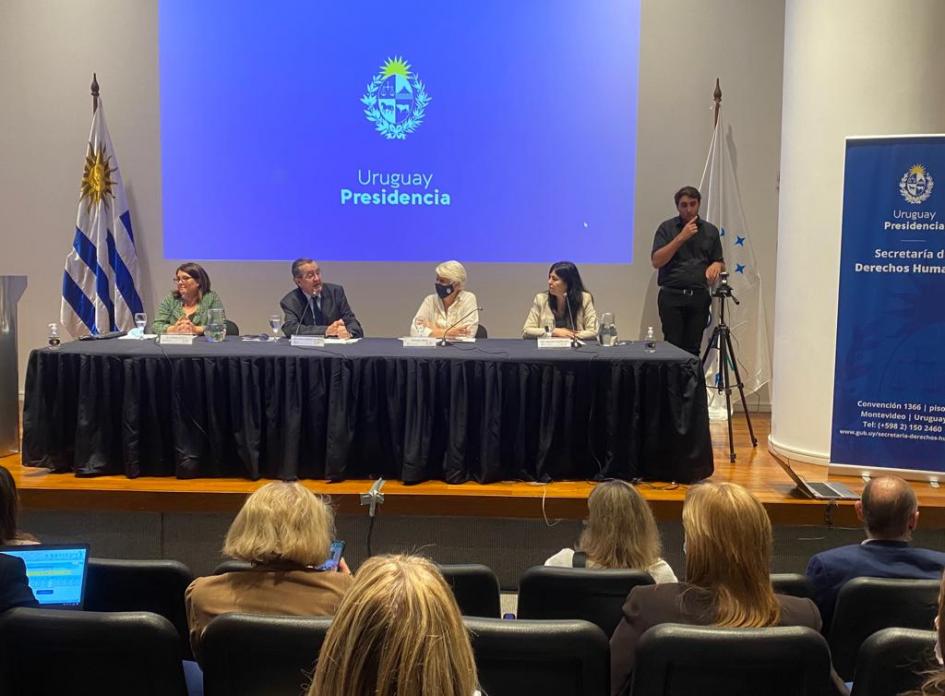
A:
(317, 308)
(889, 511)
(14, 588)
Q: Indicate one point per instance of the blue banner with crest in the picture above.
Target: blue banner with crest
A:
(889, 375)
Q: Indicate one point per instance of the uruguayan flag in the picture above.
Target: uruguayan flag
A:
(722, 205)
(100, 283)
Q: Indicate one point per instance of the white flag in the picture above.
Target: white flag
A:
(721, 205)
(100, 283)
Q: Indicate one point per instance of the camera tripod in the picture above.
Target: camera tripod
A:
(722, 341)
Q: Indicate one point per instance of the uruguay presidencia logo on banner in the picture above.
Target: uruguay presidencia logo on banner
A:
(916, 184)
(396, 100)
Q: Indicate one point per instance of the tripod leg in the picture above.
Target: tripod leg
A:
(714, 342)
(726, 385)
(741, 390)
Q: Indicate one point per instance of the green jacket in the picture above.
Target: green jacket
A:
(172, 309)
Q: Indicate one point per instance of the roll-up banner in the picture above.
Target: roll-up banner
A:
(889, 374)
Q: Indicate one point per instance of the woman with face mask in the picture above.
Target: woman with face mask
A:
(451, 310)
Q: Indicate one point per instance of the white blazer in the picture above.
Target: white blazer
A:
(540, 315)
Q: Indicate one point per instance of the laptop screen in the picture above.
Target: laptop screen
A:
(56, 573)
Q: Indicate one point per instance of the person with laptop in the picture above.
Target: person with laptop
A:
(14, 587)
(889, 511)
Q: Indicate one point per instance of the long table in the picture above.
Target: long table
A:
(497, 409)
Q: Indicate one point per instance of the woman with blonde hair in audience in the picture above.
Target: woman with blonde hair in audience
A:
(10, 534)
(620, 532)
(284, 531)
(398, 632)
(934, 684)
(728, 544)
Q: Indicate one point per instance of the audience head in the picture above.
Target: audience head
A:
(398, 632)
(728, 551)
(282, 522)
(191, 280)
(621, 531)
(934, 683)
(889, 508)
(9, 507)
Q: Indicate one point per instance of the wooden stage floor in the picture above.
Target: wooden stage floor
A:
(757, 469)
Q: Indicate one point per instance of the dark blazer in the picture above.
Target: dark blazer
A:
(14, 588)
(679, 602)
(300, 320)
(829, 570)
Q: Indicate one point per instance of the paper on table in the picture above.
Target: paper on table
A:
(129, 337)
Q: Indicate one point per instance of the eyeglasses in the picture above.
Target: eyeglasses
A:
(182, 279)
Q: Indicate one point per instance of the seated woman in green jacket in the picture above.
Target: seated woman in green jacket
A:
(187, 308)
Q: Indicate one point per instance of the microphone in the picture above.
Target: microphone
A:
(308, 305)
(442, 341)
(575, 342)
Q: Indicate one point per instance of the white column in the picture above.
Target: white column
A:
(851, 67)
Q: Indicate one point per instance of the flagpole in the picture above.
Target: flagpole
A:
(94, 88)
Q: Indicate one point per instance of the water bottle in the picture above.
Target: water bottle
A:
(54, 340)
(649, 343)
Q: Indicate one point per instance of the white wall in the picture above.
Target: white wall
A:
(49, 49)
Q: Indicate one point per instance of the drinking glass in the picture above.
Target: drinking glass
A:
(141, 320)
(275, 323)
(215, 330)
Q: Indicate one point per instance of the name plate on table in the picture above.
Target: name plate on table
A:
(419, 341)
(554, 342)
(307, 341)
(176, 339)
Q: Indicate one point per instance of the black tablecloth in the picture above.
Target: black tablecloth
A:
(495, 410)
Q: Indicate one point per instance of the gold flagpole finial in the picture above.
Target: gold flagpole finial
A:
(717, 98)
(94, 88)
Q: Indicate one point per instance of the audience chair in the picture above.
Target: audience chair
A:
(81, 653)
(155, 585)
(577, 593)
(476, 588)
(866, 605)
(891, 661)
(678, 660)
(232, 566)
(551, 658)
(794, 584)
(231, 328)
(481, 332)
(255, 655)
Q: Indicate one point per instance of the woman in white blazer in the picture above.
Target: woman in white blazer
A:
(567, 309)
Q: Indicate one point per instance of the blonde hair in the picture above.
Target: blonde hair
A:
(621, 531)
(282, 522)
(728, 551)
(454, 271)
(398, 632)
(934, 684)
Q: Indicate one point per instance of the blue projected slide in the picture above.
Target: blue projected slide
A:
(409, 131)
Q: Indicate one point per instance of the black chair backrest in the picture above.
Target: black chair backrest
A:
(231, 328)
(481, 332)
(677, 660)
(232, 566)
(252, 655)
(866, 605)
(48, 651)
(577, 593)
(794, 584)
(891, 661)
(475, 587)
(551, 658)
(154, 585)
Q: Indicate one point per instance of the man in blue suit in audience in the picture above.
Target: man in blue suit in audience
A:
(889, 511)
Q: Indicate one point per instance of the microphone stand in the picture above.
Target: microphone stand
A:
(575, 343)
(443, 341)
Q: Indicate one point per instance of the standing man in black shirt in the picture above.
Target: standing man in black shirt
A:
(688, 253)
